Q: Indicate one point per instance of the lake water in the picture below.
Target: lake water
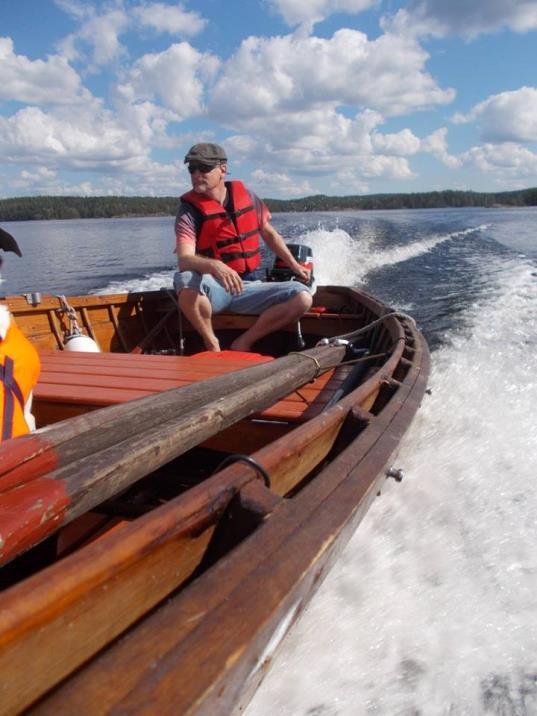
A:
(432, 608)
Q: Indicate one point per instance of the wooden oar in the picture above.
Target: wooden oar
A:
(35, 454)
(38, 508)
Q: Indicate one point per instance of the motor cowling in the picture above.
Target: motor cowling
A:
(281, 272)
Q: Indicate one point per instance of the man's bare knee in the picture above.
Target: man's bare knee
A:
(301, 302)
(306, 300)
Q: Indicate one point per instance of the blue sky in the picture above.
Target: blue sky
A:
(307, 96)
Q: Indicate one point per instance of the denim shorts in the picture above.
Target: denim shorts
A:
(255, 298)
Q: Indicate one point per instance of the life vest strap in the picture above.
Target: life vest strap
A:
(233, 240)
(244, 210)
(216, 215)
(12, 391)
(240, 255)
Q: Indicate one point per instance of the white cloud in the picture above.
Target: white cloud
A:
(146, 120)
(169, 19)
(305, 111)
(384, 166)
(78, 10)
(176, 77)
(99, 33)
(37, 81)
(465, 17)
(292, 106)
(346, 168)
(119, 174)
(39, 179)
(436, 144)
(276, 183)
(505, 117)
(345, 183)
(282, 75)
(41, 172)
(313, 142)
(81, 140)
(307, 13)
(325, 144)
(97, 40)
(403, 143)
(508, 160)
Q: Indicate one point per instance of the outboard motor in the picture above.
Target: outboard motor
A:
(280, 272)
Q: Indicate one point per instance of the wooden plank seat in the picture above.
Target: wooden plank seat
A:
(73, 383)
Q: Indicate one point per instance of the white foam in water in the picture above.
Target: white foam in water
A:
(153, 282)
(431, 609)
(339, 260)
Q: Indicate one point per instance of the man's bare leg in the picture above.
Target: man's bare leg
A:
(197, 308)
(273, 318)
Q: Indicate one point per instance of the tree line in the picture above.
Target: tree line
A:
(28, 208)
(93, 207)
(417, 200)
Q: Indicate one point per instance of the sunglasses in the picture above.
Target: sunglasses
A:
(202, 168)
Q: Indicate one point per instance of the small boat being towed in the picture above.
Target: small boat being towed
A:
(165, 530)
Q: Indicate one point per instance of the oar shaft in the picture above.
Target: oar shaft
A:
(45, 450)
(98, 477)
(80, 485)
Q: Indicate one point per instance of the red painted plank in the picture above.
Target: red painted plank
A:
(100, 379)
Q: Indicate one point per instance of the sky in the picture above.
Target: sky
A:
(308, 97)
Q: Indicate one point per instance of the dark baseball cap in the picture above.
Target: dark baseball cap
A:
(205, 153)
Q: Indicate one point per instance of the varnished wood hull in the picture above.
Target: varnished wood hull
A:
(239, 558)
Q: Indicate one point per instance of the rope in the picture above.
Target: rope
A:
(317, 364)
(365, 329)
(363, 359)
(74, 328)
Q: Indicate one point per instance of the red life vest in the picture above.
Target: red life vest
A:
(19, 371)
(231, 236)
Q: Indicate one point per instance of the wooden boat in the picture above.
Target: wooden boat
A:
(171, 517)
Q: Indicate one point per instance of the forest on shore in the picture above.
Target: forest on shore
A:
(28, 208)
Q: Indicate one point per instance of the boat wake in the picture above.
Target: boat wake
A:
(346, 260)
(431, 607)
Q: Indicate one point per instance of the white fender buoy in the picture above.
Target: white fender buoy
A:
(80, 342)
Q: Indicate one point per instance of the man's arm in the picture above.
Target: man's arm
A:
(189, 260)
(276, 243)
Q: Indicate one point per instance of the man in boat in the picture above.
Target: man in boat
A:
(19, 367)
(218, 229)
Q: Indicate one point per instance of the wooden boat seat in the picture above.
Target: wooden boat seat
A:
(74, 383)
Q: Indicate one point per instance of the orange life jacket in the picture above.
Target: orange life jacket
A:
(19, 371)
(231, 236)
